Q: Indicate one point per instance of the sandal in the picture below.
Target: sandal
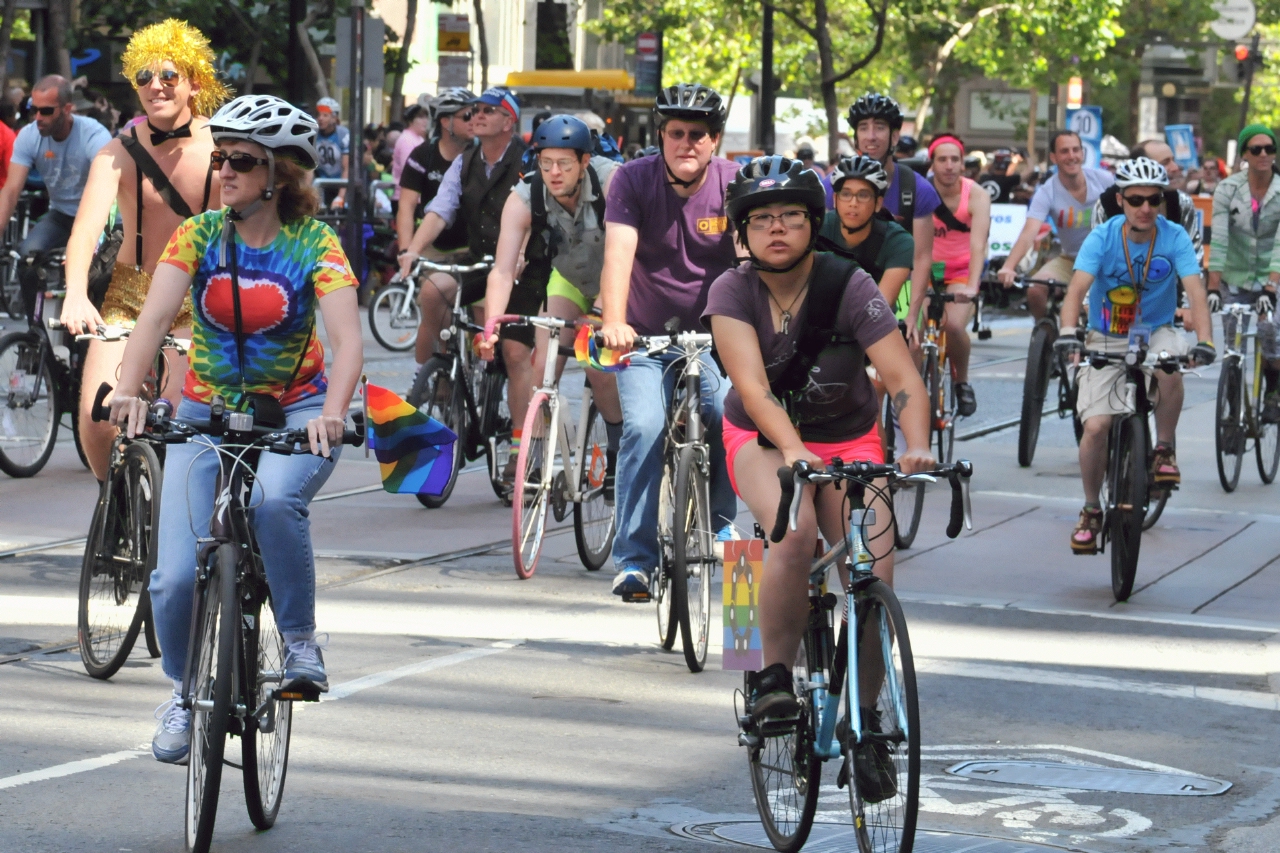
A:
(1164, 465)
(1084, 539)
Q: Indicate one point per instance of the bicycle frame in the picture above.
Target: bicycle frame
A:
(1237, 349)
(568, 438)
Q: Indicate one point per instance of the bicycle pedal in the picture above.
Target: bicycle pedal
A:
(637, 597)
(297, 694)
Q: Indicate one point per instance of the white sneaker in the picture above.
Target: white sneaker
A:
(172, 741)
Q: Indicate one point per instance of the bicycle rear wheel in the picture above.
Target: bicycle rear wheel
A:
(118, 559)
(1129, 493)
(885, 824)
(264, 746)
(394, 317)
(908, 500)
(662, 596)
(693, 566)
(785, 773)
(1035, 384)
(210, 689)
(532, 493)
(1266, 446)
(592, 516)
(1229, 434)
(28, 407)
(438, 395)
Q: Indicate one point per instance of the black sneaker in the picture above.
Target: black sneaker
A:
(611, 466)
(966, 402)
(873, 767)
(772, 694)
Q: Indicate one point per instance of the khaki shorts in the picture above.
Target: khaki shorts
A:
(1102, 391)
(1059, 269)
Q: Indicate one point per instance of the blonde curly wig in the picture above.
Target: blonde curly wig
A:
(189, 51)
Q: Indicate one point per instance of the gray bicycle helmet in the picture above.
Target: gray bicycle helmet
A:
(1141, 172)
(775, 180)
(863, 168)
(450, 101)
(273, 123)
(875, 105)
(691, 102)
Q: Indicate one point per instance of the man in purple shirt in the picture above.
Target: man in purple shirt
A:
(666, 239)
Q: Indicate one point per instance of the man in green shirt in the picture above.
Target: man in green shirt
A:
(856, 230)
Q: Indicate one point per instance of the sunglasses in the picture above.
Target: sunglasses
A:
(1255, 150)
(44, 111)
(464, 116)
(1136, 201)
(695, 136)
(168, 77)
(239, 160)
(487, 109)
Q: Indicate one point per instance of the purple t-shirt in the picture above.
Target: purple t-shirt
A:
(685, 243)
(839, 404)
(927, 199)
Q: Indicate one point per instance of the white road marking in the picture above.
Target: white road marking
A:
(1224, 696)
(341, 691)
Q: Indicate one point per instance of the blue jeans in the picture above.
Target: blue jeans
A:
(50, 231)
(644, 389)
(280, 521)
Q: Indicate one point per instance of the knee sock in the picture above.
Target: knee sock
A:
(614, 431)
(515, 441)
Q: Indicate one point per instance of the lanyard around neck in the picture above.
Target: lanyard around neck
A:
(1151, 253)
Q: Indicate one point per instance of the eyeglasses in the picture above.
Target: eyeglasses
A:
(863, 196)
(239, 160)
(168, 77)
(44, 111)
(1136, 201)
(562, 165)
(793, 219)
(1255, 150)
(695, 136)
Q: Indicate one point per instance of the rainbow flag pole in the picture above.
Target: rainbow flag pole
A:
(414, 452)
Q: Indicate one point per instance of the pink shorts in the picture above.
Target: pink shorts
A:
(864, 448)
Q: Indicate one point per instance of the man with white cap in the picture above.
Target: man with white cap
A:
(334, 147)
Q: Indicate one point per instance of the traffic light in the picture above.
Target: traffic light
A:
(1243, 57)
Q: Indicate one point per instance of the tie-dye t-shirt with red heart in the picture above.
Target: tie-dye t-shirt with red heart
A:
(279, 287)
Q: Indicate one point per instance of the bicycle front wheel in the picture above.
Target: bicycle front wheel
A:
(667, 627)
(1267, 444)
(943, 427)
(693, 566)
(118, 558)
(908, 500)
(532, 492)
(28, 407)
(1129, 496)
(394, 317)
(437, 394)
(1035, 384)
(592, 515)
(269, 721)
(495, 429)
(212, 679)
(1229, 433)
(884, 778)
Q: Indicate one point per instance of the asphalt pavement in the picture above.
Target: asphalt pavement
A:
(474, 711)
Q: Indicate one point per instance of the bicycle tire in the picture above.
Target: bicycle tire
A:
(1155, 507)
(75, 434)
(29, 409)
(212, 680)
(908, 500)
(1129, 495)
(1228, 434)
(264, 746)
(593, 518)
(693, 563)
(149, 626)
(668, 628)
(119, 557)
(889, 825)
(437, 395)
(1266, 445)
(1035, 385)
(532, 494)
(495, 423)
(786, 775)
(395, 333)
(942, 426)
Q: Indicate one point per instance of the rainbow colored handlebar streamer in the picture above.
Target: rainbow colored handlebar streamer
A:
(591, 354)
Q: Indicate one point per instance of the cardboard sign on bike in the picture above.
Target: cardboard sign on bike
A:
(743, 569)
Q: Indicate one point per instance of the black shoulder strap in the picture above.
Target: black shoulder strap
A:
(828, 281)
(906, 196)
(1110, 199)
(948, 217)
(864, 254)
(1172, 207)
(149, 167)
(597, 200)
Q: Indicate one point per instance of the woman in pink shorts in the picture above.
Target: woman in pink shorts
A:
(793, 329)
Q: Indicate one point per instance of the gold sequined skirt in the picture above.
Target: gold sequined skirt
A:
(127, 292)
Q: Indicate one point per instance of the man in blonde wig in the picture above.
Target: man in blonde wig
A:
(159, 173)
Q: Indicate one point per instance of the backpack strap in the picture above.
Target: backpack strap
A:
(146, 165)
(597, 201)
(947, 217)
(906, 196)
(828, 281)
(1172, 207)
(1110, 200)
(864, 254)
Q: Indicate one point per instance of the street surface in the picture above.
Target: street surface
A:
(471, 711)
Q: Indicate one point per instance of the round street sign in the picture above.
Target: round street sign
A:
(1235, 19)
(648, 42)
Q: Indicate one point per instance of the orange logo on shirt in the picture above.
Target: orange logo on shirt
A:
(49, 155)
(713, 225)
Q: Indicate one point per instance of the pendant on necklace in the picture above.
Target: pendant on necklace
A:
(786, 321)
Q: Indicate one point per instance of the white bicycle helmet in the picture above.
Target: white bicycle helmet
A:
(273, 123)
(1141, 172)
(331, 105)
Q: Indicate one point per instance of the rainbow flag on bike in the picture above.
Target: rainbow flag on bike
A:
(415, 452)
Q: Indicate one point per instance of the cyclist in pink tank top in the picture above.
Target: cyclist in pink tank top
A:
(961, 225)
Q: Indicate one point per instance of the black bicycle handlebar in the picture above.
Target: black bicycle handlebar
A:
(957, 474)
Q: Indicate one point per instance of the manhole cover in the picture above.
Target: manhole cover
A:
(1050, 774)
(838, 838)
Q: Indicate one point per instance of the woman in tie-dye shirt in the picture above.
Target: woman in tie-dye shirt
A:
(286, 265)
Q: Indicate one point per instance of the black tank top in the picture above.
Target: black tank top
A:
(423, 172)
